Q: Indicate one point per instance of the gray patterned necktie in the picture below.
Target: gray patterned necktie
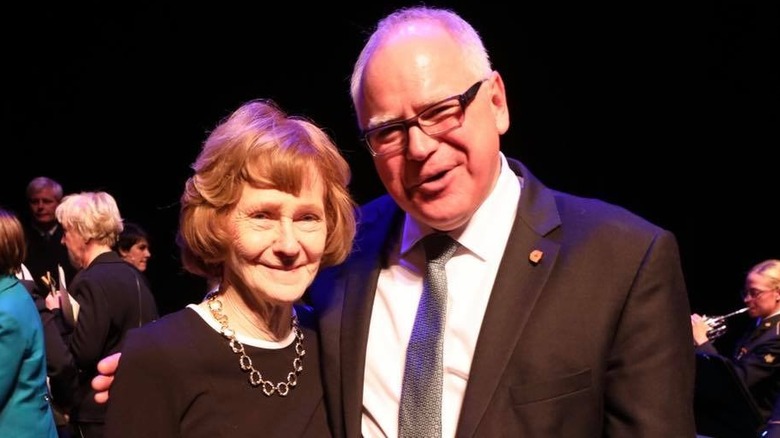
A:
(420, 409)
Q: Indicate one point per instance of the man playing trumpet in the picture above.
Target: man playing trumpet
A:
(756, 359)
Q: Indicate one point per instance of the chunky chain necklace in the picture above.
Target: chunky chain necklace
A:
(255, 378)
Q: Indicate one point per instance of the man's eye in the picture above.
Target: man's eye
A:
(441, 112)
(388, 134)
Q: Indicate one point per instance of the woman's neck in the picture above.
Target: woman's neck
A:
(256, 319)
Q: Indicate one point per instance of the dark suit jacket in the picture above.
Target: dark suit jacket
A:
(592, 341)
(44, 253)
(114, 298)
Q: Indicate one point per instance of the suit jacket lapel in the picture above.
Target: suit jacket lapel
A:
(358, 285)
(519, 282)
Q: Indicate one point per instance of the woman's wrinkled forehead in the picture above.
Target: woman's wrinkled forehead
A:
(289, 173)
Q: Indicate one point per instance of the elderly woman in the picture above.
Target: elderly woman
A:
(266, 208)
(112, 298)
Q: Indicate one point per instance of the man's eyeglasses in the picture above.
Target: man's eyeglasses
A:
(438, 119)
(753, 293)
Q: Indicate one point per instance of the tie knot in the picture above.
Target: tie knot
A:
(439, 247)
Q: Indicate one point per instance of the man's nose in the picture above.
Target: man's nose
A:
(420, 145)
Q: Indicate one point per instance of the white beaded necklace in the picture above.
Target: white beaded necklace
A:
(255, 378)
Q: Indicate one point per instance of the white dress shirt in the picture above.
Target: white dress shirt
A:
(470, 276)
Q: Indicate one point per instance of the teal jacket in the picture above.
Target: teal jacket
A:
(24, 399)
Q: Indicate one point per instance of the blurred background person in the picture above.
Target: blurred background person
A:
(44, 234)
(112, 295)
(24, 398)
(756, 359)
(57, 356)
(133, 245)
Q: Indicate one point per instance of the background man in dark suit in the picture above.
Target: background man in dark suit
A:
(44, 234)
(565, 316)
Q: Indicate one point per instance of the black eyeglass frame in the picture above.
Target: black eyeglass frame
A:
(754, 293)
(464, 100)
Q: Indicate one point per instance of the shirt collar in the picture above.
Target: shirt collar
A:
(490, 224)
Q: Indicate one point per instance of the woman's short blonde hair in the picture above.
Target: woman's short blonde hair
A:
(93, 215)
(259, 144)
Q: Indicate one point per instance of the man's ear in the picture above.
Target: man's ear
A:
(498, 103)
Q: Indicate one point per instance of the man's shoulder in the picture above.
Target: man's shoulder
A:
(573, 203)
(376, 216)
(31, 232)
(596, 214)
(379, 205)
(536, 198)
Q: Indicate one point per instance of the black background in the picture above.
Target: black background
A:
(669, 109)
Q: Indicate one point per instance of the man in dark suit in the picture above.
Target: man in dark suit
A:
(44, 234)
(566, 317)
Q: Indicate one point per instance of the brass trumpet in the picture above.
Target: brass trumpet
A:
(717, 324)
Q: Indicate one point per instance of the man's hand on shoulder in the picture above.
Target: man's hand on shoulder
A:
(102, 382)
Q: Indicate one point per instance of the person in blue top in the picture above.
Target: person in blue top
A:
(24, 400)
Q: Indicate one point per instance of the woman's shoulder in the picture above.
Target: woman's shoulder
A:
(16, 300)
(177, 325)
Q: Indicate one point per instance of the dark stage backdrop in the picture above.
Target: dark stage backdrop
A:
(670, 110)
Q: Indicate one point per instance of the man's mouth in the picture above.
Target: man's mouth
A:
(431, 178)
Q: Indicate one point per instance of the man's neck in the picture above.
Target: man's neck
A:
(45, 228)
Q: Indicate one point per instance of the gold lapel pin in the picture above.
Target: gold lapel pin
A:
(535, 256)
